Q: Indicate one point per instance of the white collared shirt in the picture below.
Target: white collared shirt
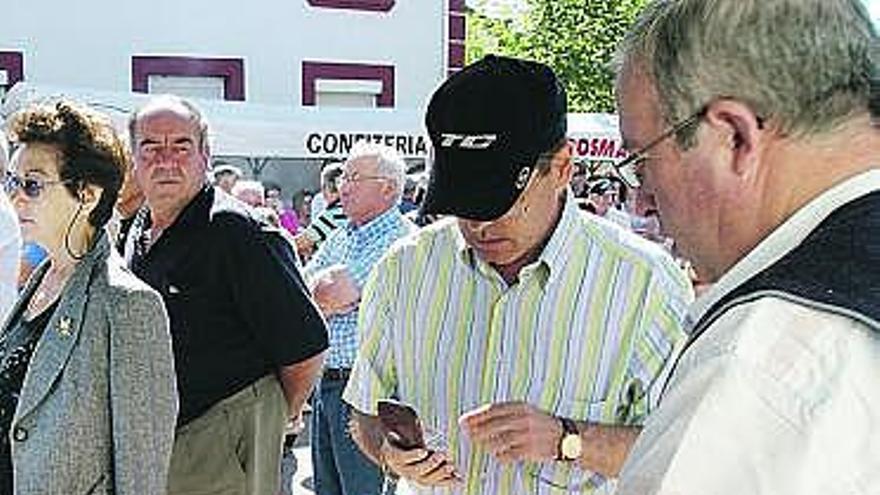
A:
(774, 397)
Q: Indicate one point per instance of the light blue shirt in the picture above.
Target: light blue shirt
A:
(358, 248)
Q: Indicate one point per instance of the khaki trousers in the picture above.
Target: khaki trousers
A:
(234, 448)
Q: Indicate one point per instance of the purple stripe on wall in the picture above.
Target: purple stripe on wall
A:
(312, 71)
(13, 64)
(456, 27)
(457, 35)
(368, 5)
(230, 69)
(456, 55)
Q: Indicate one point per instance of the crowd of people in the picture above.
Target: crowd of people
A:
(509, 325)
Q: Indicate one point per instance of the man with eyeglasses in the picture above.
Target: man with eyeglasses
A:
(527, 335)
(10, 239)
(755, 125)
(370, 188)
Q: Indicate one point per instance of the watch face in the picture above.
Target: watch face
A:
(571, 447)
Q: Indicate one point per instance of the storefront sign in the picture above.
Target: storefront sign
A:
(340, 143)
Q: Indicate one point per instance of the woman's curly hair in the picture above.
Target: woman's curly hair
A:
(90, 150)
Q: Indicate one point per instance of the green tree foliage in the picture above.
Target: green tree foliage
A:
(577, 38)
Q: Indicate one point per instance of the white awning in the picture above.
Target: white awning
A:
(256, 130)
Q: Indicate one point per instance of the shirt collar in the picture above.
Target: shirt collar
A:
(555, 253)
(784, 238)
(197, 210)
(384, 221)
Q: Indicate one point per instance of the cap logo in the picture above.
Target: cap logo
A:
(467, 141)
(523, 178)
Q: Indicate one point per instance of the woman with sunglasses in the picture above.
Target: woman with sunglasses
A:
(88, 401)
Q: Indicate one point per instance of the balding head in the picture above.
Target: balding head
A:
(176, 105)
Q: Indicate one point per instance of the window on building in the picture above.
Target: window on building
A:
(211, 88)
(351, 94)
(11, 70)
(4, 83)
(210, 78)
(368, 5)
(337, 84)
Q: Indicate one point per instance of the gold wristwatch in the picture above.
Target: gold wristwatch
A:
(571, 444)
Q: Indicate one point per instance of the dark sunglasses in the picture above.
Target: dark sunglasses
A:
(32, 187)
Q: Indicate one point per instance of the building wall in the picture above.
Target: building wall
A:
(91, 43)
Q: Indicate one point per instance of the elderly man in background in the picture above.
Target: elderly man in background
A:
(248, 340)
(225, 176)
(752, 129)
(370, 188)
(10, 241)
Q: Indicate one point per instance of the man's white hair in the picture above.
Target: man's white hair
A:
(248, 186)
(389, 163)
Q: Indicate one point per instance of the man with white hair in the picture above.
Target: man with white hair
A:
(226, 176)
(370, 188)
(250, 192)
(10, 242)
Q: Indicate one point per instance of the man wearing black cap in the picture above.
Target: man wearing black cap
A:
(519, 327)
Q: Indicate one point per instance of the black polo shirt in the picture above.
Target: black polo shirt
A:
(238, 306)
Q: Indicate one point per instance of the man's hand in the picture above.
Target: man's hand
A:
(335, 291)
(304, 246)
(514, 431)
(425, 467)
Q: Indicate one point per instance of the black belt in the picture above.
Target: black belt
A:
(337, 374)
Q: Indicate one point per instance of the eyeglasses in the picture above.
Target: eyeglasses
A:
(32, 187)
(630, 168)
(346, 179)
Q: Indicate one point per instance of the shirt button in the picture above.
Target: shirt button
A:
(19, 434)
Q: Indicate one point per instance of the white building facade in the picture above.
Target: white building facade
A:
(289, 65)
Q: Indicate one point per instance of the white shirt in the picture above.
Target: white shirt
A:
(317, 205)
(619, 217)
(10, 253)
(775, 397)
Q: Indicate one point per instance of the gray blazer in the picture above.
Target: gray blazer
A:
(98, 406)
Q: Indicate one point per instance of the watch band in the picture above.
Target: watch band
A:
(569, 427)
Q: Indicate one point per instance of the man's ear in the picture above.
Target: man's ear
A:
(742, 130)
(562, 167)
(389, 190)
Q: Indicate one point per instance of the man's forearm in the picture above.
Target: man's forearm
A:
(366, 431)
(297, 381)
(605, 447)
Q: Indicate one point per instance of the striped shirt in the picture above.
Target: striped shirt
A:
(330, 219)
(358, 248)
(585, 334)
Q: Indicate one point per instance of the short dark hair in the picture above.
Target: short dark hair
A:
(329, 174)
(545, 159)
(89, 148)
(271, 186)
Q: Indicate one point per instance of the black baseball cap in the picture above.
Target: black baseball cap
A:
(488, 124)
